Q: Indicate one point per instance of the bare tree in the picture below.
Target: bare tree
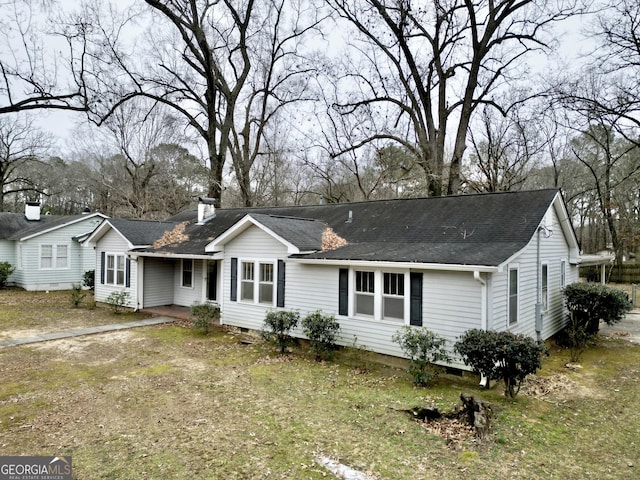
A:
(40, 67)
(504, 150)
(21, 144)
(225, 67)
(425, 67)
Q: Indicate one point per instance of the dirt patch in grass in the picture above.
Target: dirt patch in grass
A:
(25, 314)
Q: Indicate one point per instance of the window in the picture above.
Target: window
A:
(115, 265)
(365, 291)
(393, 296)
(246, 282)
(266, 283)
(187, 272)
(563, 273)
(46, 256)
(54, 256)
(544, 279)
(513, 295)
(62, 256)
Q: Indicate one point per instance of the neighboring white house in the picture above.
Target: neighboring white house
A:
(47, 250)
(490, 261)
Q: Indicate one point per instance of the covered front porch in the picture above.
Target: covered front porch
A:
(176, 283)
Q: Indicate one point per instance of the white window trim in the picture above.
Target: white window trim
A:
(378, 313)
(115, 269)
(512, 267)
(54, 256)
(193, 274)
(256, 280)
(563, 272)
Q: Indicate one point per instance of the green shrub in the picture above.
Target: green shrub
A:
(202, 315)
(424, 348)
(277, 327)
(89, 279)
(118, 301)
(6, 269)
(322, 332)
(501, 355)
(590, 303)
(76, 295)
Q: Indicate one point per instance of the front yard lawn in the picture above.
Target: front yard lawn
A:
(167, 402)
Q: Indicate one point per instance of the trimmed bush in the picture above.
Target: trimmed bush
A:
(589, 303)
(6, 269)
(322, 332)
(202, 315)
(118, 301)
(501, 355)
(424, 348)
(277, 327)
(89, 279)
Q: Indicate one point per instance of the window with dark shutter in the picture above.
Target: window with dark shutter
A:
(415, 301)
(343, 291)
(234, 279)
(281, 277)
(102, 266)
(127, 272)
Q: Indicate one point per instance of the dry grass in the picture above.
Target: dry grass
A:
(167, 402)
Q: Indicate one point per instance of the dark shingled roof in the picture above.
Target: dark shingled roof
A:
(304, 233)
(141, 232)
(14, 226)
(482, 229)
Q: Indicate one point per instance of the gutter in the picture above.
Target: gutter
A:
(484, 324)
(394, 264)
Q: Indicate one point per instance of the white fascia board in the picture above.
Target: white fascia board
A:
(382, 264)
(242, 224)
(565, 224)
(66, 224)
(171, 255)
(101, 231)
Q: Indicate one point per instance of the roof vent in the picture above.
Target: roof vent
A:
(206, 209)
(32, 211)
(350, 218)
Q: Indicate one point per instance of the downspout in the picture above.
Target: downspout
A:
(538, 287)
(483, 314)
(483, 300)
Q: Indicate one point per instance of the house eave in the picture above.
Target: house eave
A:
(194, 256)
(63, 225)
(392, 264)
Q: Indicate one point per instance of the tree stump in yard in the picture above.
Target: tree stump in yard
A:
(478, 414)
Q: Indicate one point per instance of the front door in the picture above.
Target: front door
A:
(212, 280)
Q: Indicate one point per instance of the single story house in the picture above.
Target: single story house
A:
(492, 261)
(47, 251)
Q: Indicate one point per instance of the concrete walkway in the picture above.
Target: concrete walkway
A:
(627, 329)
(78, 332)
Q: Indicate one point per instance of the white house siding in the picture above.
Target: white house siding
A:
(158, 282)
(451, 305)
(253, 244)
(113, 243)
(187, 296)
(8, 253)
(32, 277)
(553, 249)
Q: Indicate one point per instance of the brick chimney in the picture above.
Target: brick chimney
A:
(32, 211)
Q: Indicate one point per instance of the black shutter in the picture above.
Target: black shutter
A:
(127, 272)
(234, 279)
(280, 292)
(102, 267)
(343, 291)
(415, 300)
